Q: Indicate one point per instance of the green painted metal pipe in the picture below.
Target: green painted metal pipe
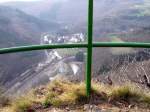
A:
(79, 45)
(62, 46)
(89, 48)
(40, 47)
(122, 44)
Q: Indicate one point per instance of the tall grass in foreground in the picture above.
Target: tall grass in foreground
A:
(64, 93)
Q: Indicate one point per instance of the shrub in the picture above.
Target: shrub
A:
(22, 105)
(129, 92)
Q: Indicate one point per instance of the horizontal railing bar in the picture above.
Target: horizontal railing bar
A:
(122, 44)
(76, 45)
(41, 47)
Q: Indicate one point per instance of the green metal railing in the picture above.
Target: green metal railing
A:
(89, 45)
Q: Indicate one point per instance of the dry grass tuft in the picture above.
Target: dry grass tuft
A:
(22, 105)
(64, 93)
(122, 93)
(129, 93)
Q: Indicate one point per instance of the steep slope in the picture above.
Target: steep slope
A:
(128, 19)
(63, 96)
(110, 16)
(18, 28)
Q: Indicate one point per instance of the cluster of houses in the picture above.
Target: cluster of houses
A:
(74, 38)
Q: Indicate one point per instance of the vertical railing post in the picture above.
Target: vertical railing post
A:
(89, 49)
